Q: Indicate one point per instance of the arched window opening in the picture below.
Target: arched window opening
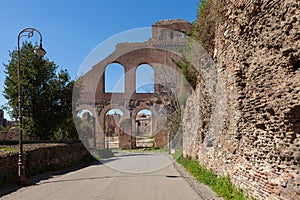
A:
(144, 123)
(85, 125)
(112, 127)
(84, 114)
(182, 35)
(114, 78)
(144, 79)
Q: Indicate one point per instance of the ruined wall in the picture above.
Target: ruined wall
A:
(40, 158)
(257, 56)
(161, 51)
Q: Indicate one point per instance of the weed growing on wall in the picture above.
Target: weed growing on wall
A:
(204, 27)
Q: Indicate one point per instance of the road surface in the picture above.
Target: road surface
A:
(124, 177)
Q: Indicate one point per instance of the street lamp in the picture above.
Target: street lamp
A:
(40, 52)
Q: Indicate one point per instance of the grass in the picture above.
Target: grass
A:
(4, 149)
(222, 185)
(177, 155)
(147, 149)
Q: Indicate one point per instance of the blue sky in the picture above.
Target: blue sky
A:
(72, 29)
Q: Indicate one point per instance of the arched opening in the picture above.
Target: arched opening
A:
(85, 125)
(143, 125)
(114, 78)
(112, 128)
(84, 113)
(144, 79)
(182, 35)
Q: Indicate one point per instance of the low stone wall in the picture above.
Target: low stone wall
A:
(41, 159)
(9, 135)
(8, 168)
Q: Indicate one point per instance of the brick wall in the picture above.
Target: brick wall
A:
(258, 63)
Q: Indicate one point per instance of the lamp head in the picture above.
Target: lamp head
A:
(39, 51)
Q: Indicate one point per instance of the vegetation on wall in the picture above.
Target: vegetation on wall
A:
(188, 71)
(204, 27)
(203, 31)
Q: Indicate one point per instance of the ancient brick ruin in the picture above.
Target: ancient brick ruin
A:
(159, 51)
(249, 126)
(257, 141)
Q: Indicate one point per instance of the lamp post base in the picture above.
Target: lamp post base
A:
(21, 172)
(22, 180)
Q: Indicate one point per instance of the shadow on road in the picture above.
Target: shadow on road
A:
(35, 179)
(46, 177)
(133, 154)
(107, 177)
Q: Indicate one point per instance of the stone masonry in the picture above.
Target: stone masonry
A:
(257, 143)
(40, 158)
(161, 52)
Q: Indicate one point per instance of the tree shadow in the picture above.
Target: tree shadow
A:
(45, 176)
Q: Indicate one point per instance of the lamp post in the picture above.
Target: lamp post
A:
(40, 52)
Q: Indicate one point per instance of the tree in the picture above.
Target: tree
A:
(63, 116)
(46, 95)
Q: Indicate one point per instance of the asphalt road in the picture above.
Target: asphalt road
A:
(127, 176)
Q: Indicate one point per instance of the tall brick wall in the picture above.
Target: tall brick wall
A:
(257, 56)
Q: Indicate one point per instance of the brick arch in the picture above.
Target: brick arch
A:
(142, 107)
(90, 108)
(159, 51)
(130, 61)
(156, 120)
(94, 81)
(143, 63)
(112, 62)
(133, 59)
(109, 107)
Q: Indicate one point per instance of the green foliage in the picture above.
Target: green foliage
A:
(46, 95)
(222, 185)
(208, 17)
(6, 149)
(189, 72)
(4, 128)
(178, 154)
(176, 124)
